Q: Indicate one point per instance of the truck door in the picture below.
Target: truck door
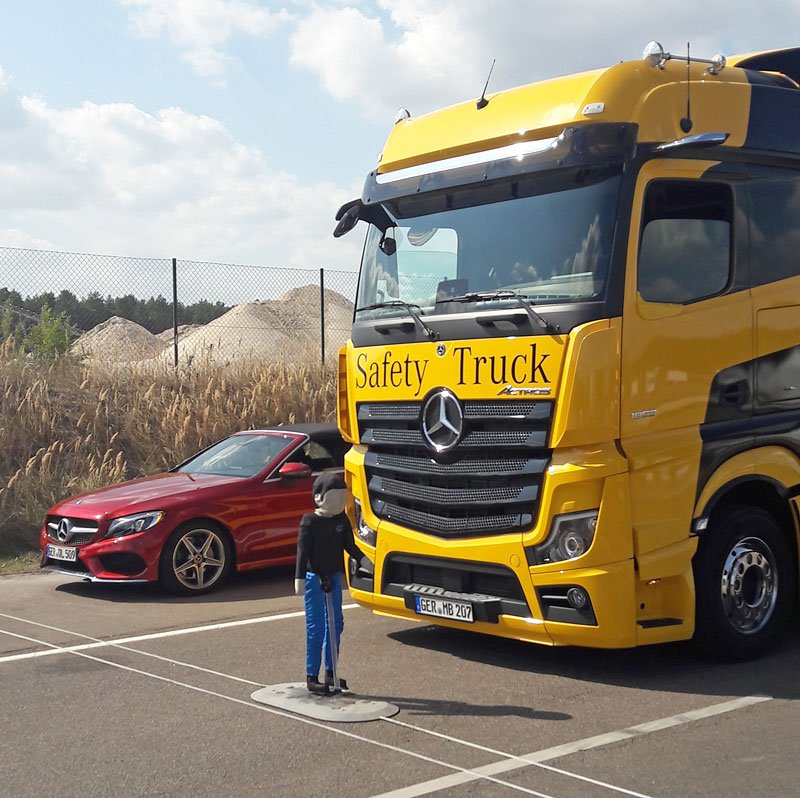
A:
(687, 345)
(774, 196)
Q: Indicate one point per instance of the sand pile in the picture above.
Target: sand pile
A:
(283, 328)
(116, 340)
(166, 336)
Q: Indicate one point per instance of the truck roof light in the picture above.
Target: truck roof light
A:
(718, 63)
(653, 54)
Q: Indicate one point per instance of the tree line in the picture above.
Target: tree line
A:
(154, 314)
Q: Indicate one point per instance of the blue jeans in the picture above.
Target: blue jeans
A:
(317, 621)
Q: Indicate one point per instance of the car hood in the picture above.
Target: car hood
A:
(158, 492)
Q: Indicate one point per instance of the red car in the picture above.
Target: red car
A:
(236, 504)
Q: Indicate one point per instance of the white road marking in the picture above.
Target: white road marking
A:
(138, 638)
(511, 757)
(587, 744)
(471, 775)
(507, 763)
(456, 740)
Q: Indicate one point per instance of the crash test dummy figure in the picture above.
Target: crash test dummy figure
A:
(324, 536)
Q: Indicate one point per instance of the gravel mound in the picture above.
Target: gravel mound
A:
(167, 335)
(270, 329)
(117, 340)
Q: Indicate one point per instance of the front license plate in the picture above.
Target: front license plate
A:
(444, 608)
(67, 553)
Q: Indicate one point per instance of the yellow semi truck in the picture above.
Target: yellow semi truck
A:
(573, 382)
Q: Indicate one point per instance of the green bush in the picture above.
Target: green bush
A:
(9, 332)
(50, 336)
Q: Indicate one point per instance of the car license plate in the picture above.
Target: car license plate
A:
(67, 553)
(444, 608)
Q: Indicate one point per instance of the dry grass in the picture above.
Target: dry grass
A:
(67, 427)
(19, 564)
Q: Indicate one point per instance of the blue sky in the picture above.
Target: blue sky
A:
(231, 130)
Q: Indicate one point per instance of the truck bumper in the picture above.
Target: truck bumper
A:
(544, 617)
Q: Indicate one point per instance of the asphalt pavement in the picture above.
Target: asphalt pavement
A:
(123, 690)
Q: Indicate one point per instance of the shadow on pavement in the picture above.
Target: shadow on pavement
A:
(422, 706)
(675, 667)
(248, 586)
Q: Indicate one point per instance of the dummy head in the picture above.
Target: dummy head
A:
(330, 494)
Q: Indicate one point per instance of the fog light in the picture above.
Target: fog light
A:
(577, 598)
(571, 536)
(364, 531)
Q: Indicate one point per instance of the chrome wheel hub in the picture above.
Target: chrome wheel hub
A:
(749, 585)
(198, 559)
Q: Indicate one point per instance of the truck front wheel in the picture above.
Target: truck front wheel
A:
(744, 583)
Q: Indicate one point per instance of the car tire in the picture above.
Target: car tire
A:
(745, 583)
(196, 559)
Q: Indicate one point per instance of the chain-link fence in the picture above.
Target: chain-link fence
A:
(177, 311)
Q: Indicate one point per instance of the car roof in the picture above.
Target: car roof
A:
(327, 434)
(312, 430)
(324, 433)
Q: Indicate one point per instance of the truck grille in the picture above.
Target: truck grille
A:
(488, 484)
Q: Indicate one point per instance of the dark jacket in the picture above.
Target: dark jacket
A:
(321, 544)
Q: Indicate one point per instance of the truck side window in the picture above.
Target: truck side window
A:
(685, 249)
(774, 230)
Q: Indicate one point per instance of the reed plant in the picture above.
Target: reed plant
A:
(67, 426)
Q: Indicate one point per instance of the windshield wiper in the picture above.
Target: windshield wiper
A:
(523, 301)
(412, 311)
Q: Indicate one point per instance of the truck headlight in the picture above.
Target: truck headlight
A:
(570, 537)
(131, 524)
(364, 531)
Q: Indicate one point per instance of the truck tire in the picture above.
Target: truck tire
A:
(745, 583)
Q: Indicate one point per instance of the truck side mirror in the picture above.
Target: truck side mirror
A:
(348, 216)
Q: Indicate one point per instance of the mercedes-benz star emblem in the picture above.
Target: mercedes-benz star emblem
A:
(442, 421)
(64, 529)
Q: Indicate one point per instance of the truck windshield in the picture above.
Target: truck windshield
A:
(547, 238)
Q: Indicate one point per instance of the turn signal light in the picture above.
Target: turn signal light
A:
(342, 407)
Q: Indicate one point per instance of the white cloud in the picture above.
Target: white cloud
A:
(13, 237)
(114, 179)
(200, 28)
(427, 53)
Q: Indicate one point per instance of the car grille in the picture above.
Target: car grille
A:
(488, 484)
(80, 530)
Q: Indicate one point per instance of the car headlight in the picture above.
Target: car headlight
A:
(364, 531)
(570, 537)
(131, 524)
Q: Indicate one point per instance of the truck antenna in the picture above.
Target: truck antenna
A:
(482, 101)
(686, 122)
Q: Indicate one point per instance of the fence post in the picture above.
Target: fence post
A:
(175, 310)
(322, 313)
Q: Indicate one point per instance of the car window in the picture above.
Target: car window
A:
(237, 456)
(315, 455)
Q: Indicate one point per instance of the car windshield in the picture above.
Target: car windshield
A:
(237, 456)
(547, 238)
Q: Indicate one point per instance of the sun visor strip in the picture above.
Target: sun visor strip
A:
(597, 144)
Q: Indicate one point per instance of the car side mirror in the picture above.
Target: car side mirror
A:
(294, 471)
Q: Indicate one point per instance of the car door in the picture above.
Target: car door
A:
(285, 501)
